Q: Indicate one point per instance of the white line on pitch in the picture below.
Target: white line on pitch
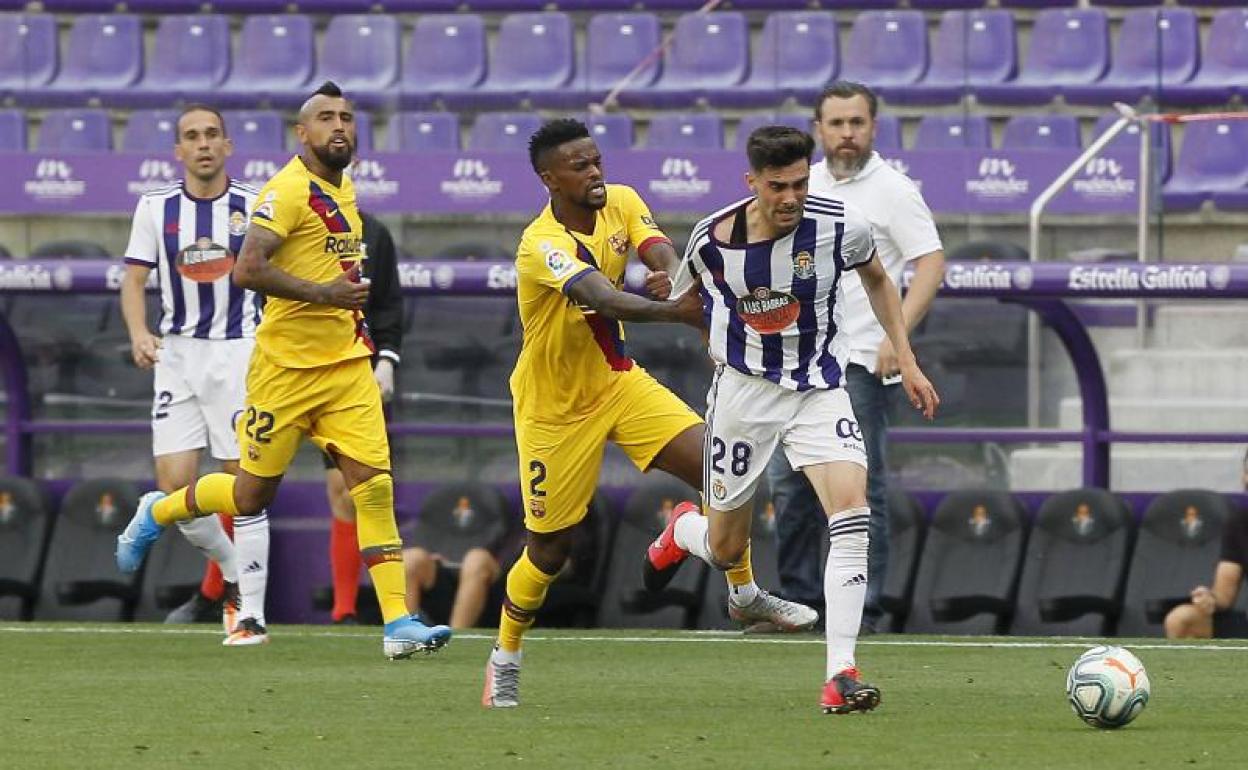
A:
(694, 637)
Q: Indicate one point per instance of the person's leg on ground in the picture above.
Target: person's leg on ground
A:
(344, 552)
(1187, 622)
(800, 526)
(841, 487)
(872, 403)
(421, 569)
(251, 541)
(682, 457)
(477, 573)
(177, 469)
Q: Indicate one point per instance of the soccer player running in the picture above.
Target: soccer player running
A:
(190, 232)
(574, 386)
(770, 269)
(310, 372)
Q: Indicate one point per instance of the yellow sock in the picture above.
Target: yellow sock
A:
(213, 493)
(526, 590)
(743, 573)
(380, 546)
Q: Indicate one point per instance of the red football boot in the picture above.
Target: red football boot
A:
(845, 692)
(664, 557)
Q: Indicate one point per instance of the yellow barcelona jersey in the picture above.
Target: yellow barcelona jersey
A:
(321, 237)
(571, 355)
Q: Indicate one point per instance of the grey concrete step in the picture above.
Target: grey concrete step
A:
(1133, 468)
(1218, 374)
(1165, 414)
(1212, 325)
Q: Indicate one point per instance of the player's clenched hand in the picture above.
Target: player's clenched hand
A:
(345, 291)
(919, 389)
(688, 306)
(659, 284)
(145, 349)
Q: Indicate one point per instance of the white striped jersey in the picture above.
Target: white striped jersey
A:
(772, 306)
(192, 243)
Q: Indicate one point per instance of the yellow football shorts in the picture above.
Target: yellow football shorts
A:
(559, 463)
(337, 406)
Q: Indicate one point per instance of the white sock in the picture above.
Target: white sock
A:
(251, 540)
(207, 534)
(742, 595)
(845, 585)
(502, 656)
(690, 534)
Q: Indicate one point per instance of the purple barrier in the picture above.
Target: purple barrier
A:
(694, 182)
(1041, 287)
(962, 279)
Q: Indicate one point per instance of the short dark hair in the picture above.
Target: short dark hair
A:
(328, 88)
(778, 146)
(552, 135)
(197, 107)
(847, 89)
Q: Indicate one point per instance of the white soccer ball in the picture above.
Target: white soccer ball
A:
(1107, 687)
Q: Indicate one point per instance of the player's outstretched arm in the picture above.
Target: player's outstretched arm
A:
(594, 291)
(254, 271)
(887, 308)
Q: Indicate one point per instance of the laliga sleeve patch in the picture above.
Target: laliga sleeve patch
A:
(264, 209)
(767, 311)
(559, 263)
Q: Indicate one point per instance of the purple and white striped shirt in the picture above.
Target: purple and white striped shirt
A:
(772, 306)
(192, 243)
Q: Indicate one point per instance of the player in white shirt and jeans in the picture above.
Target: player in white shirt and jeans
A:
(190, 232)
(770, 270)
(905, 235)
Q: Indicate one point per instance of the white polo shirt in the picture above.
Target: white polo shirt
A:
(903, 229)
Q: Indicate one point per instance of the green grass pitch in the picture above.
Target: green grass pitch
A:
(135, 696)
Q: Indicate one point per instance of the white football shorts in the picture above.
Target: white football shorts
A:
(200, 389)
(747, 416)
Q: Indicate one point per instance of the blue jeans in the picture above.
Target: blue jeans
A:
(801, 525)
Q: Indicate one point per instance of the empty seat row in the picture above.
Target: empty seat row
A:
(493, 6)
(534, 58)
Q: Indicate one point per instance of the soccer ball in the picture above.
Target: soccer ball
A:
(1107, 687)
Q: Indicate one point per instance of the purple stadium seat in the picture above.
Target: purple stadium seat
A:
(1040, 132)
(750, 123)
(81, 130)
(1224, 69)
(886, 49)
(503, 130)
(13, 130)
(363, 131)
(418, 131)
(80, 6)
(1128, 140)
(887, 133)
(360, 52)
(190, 59)
(1039, 3)
(971, 49)
(613, 131)
(615, 44)
(1231, 200)
(943, 5)
(1149, 40)
(28, 57)
(446, 56)
(150, 131)
(709, 51)
(1206, 3)
(939, 132)
(272, 62)
(103, 56)
(1069, 47)
(796, 55)
(1211, 160)
(700, 131)
(533, 54)
(240, 7)
(422, 6)
(256, 130)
